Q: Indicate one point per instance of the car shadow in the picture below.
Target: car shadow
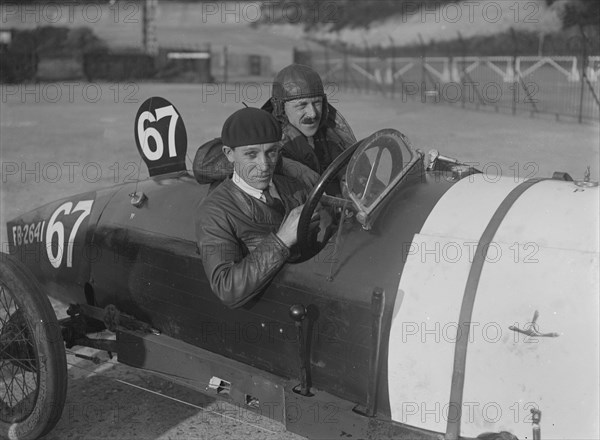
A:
(112, 400)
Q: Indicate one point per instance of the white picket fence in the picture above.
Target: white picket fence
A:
(448, 69)
(538, 84)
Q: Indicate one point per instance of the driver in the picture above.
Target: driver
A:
(315, 132)
(248, 224)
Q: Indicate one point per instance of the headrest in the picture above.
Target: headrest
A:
(210, 164)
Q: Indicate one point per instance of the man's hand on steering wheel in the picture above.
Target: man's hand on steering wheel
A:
(288, 231)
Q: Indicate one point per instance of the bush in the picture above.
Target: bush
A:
(53, 41)
(20, 60)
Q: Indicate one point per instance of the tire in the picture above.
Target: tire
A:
(33, 365)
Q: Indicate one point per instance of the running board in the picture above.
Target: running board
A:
(204, 371)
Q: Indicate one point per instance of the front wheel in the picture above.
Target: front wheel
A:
(33, 365)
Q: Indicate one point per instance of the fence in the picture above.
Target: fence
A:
(561, 85)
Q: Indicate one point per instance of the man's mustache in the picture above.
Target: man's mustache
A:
(309, 120)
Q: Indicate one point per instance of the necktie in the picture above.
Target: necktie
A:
(274, 202)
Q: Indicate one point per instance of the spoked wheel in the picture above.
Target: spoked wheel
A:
(33, 366)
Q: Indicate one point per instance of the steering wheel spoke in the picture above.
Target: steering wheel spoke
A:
(334, 202)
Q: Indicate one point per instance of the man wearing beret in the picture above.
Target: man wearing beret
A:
(248, 224)
(316, 133)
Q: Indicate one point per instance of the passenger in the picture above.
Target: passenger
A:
(247, 225)
(315, 132)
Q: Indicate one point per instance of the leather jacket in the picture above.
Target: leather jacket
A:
(328, 146)
(333, 136)
(236, 239)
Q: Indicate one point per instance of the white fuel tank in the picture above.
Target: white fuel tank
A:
(534, 333)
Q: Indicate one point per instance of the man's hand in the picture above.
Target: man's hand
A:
(288, 231)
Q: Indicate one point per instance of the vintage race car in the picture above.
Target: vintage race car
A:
(439, 302)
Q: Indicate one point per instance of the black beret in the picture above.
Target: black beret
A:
(250, 126)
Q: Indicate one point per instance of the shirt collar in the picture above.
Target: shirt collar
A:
(251, 191)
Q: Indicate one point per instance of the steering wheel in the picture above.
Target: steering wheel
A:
(309, 242)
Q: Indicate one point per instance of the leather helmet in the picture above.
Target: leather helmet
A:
(297, 81)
